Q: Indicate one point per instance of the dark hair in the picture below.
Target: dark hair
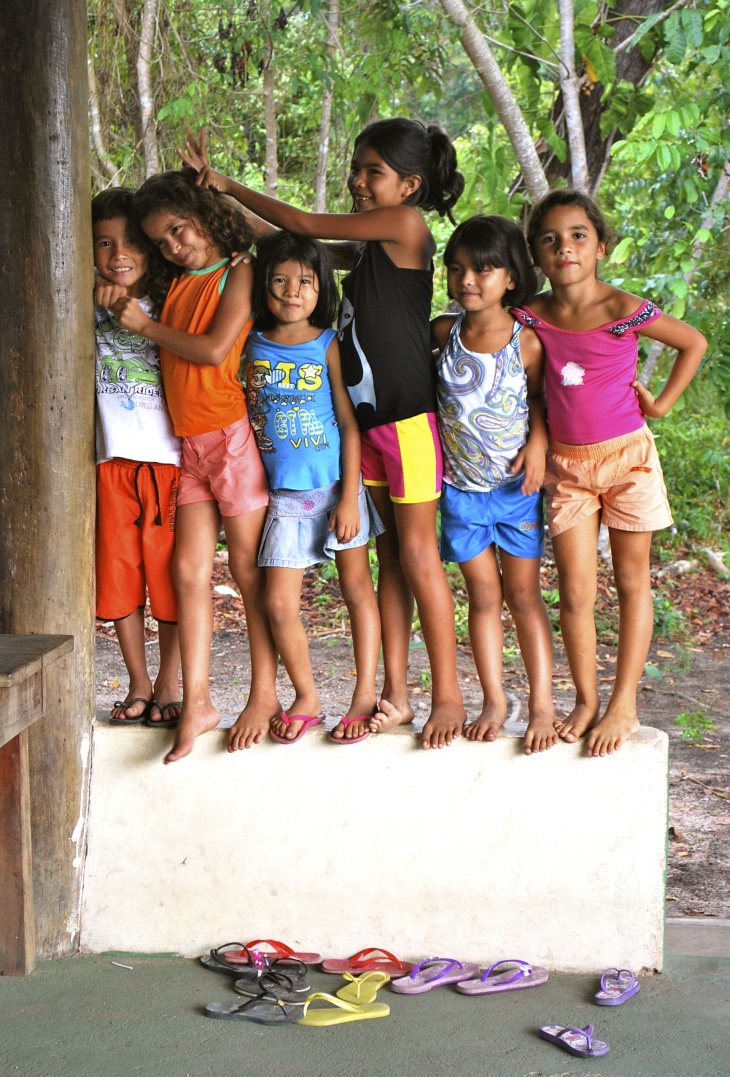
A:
(217, 216)
(411, 149)
(120, 202)
(566, 196)
(281, 247)
(494, 241)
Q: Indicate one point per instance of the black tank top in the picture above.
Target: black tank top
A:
(384, 335)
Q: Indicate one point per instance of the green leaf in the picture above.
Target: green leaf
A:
(621, 252)
(669, 212)
(658, 124)
(652, 671)
(680, 288)
(664, 157)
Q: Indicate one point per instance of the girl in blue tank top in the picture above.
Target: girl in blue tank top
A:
(490, 389)
(398, 168)
(309, 441)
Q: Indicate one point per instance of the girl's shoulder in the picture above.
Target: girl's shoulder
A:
(441, 327)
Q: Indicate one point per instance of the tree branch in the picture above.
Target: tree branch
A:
(144, 81)
(95, 124)
(570, 86)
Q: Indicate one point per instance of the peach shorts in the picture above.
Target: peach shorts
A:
(224, 466)
(622, 478)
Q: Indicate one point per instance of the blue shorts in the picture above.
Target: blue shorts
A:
(505, 517)
(296, 533)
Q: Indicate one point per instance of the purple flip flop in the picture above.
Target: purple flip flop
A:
(526, 975)
(434, 972)
(576, 1041)
(308, 721)
(616, 986)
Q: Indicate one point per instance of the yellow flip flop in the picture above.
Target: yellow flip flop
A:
(362, 989)
(339, 1011)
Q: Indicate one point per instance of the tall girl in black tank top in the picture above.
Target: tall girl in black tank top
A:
(387, 364)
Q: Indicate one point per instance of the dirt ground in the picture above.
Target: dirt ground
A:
(691, 677)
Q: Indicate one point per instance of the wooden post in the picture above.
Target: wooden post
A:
(46, 422)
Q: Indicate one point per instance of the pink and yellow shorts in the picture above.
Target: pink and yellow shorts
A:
(622, 478)
(406, 457)
(224, 466)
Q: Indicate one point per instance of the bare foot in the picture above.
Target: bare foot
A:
(193, 721)
(489, 722)
(608, 734)
(541, 733)
(252, 724)
(581, 718)
(388, 715)
(444, 725)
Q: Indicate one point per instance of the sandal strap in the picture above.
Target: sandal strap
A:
(525, 968)
(449, 963)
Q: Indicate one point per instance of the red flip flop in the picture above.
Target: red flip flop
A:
(362, 962)
(278, 949)
(308, 721)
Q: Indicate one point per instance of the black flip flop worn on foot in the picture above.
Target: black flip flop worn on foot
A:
(138, 718)
(163, 723)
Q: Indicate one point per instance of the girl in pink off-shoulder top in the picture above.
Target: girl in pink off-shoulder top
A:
(602, 463)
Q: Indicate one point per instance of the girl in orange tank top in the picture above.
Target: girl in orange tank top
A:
(201, 333)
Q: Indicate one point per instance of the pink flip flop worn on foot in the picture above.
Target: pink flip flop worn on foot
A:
(344, 722)
(307, 720)
(434, 972)
(371, 959)
(525, 975)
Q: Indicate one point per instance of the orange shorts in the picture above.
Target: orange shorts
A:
(622, 478)
(224, 466)
(133, 550)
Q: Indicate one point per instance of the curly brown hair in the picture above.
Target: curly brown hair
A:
(214, 214)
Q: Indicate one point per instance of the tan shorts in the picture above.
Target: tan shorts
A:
(224, 466)
(622, 478)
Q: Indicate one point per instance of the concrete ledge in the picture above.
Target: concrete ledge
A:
(475, 851)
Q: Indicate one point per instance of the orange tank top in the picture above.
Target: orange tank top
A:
(201, 398)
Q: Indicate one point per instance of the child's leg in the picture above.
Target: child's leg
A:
(395, 602)
(198, 525)
(130, 633)
(426, 577)
(244, 536)
(167, 683)
(521, 580)
(283, 604)
(484, 586)
(356, 584)
(575, 557)
(630, 551)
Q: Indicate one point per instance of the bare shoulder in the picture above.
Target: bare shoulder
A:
(441, 326)
(618, 303)
(540, 304)
(531, 347)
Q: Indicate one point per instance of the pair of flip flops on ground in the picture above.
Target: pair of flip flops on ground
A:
(277, 999)
(145, 716)
(617, 985)
(468, 978)
(309, 720)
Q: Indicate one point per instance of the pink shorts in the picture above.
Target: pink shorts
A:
(622, 478)
(224, 466)
(406, 457)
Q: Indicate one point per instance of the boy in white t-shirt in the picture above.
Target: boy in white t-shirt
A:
(138, 467)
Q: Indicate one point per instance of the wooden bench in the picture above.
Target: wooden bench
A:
(23, 664)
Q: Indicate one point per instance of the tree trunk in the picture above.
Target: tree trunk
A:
(272, 143)
(502, 97)
(47, 427)
(97, 135)
(147, 34)
(570, 86)
(320, 180)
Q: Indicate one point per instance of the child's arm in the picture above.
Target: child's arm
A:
(440, 329)
(531, 456)
(346, 517)
(690, 345)
(400, 225)
(106, 294)
(206, 349)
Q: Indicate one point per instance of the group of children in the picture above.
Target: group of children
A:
(366, 433)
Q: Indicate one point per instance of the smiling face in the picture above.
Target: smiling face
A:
(180, 240)
(473, 288)
(293, 293)
(373, 184)
(567, 246)
(116, 258)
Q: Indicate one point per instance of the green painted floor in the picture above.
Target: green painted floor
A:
(86, 1017)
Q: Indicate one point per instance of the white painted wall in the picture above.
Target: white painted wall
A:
(475, 851)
